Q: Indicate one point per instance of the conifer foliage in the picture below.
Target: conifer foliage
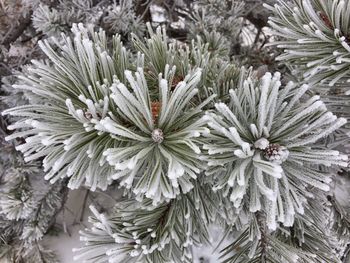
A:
(264, 141)
(321, 24)
(190, 130)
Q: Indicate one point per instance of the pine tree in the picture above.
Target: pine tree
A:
(177, 109)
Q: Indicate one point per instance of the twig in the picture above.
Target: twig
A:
(84, 205)
(65, 229)
(17, 31)
(262, 227)
(99, 207)
(142, 9)
(256, 40)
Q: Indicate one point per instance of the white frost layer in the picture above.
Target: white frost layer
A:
(63, 243)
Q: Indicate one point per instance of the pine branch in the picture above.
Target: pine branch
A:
(260, 126)
(191, 137)
(136, 232)
(16, 31)
(300, 25)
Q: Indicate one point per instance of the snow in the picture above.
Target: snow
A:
(63, 243)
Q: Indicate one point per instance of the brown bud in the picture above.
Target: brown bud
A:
(155, 109)
(176, 81)
(326, 20)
